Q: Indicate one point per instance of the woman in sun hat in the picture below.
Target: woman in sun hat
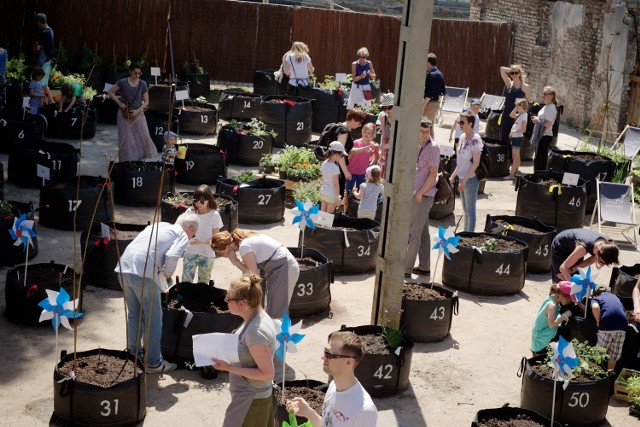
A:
(384, 125)
(545, 325)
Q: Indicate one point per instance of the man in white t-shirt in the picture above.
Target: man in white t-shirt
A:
(346, 403)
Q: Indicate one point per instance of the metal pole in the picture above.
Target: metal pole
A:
(173, 71)
(415, 32)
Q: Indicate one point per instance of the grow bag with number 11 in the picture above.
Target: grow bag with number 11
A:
(26, 159)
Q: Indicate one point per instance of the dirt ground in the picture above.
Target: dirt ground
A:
(474, 368)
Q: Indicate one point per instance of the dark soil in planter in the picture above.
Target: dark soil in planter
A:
(589, 157)
(315, 398)
(519, 421)
(102, 370)
(502, 246)
(196, 304)
(548, 181)
(47, 277)
(307, 263)
(548, 372)
(415, 292)
(193, 108)
(520, 228)
(375, 344)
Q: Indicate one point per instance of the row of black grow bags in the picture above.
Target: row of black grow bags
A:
(244, 148)
(57, 160)
(259, 202)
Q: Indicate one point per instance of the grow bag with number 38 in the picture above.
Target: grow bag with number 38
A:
(259, 202)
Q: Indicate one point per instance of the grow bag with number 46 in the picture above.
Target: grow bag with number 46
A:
(383, 374)
(83, 404)
(259, 202)
(428, 320)
(58, 160)
(203, 164)
(138, 183)
(352, 243)
(236, 104)
(582, 404)
(312, 292)
(290, 117)
(486, 273)
(196, 118)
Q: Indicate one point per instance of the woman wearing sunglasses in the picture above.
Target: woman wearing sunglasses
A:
(363, 74)
(261, 252)
(513, 78)
(250, 379)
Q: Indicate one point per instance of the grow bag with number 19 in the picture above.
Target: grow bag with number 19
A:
(203, 164)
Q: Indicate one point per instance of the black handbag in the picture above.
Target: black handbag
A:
(445, 190)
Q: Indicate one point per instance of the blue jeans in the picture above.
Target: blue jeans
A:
(469, 197)
(151, 312)
(356, 180)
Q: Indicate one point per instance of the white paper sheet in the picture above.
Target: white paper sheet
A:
(218, 345)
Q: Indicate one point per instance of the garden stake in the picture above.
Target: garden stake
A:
(26, 264)
(284, 357)
(553, 402)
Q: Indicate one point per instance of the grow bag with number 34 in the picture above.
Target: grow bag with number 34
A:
(259, 202)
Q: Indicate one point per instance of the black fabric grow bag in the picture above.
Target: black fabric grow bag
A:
(506, 413)
(580, 405)
(281, 411)
(201, 123)
(157, 123)
(160, 96)
(15, 93)
(16, 254)
(444, 209)
(539, 245)
(486, 273)
(30, 129)
(199, 85)
(22, 302)
(580, 327)
(353, 249)
(74, 124)
(61, 159)
(203, 164)
(83, 404)
(236, 104)
(244, 149)
(177, 342)
(500, 153)
(326, 107)
(102, 256)
(492, 129)
(58, 203)
(265, 83)
(312, 293)
(290, 117)
(1, 181)
(354, 204)
(428, 321)
(589, 170)
(138, 183)
(106, 109)
(562, 211)
(228, 212)
(623, 279)
(259, 202)
(383, 374)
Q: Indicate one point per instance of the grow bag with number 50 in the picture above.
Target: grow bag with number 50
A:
(486, 273)
(583, 404)
(59, 206)
(196, 118)
(83, 404)
(383, 374)
(259, 202)
(236, 104)
(352, 243)
(428, 321)
(58, 159)
(290, 117)
(138, 183)
(203, 164)
(560, 206)
(312, 292)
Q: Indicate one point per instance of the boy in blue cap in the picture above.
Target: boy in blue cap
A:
(169, 150)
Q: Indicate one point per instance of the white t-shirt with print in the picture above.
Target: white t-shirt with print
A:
(520, 123)
(349, 408)
(208, 222)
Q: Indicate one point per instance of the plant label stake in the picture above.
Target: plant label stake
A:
(564, 360)
(286, 341)
(22, 232)
(302, 214)
(155, 71)
(446, 243)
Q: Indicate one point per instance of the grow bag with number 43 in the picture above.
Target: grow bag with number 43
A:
(312, 292)
(83, 404)
(428, 320)
(203, 164)
(259, 202)
(290, 117)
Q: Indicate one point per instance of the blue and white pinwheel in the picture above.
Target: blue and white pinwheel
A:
(564, 358)
(303, 212)
(446, 241)
(582, 282)
(59, 308)
(22, 231)
(287, 337)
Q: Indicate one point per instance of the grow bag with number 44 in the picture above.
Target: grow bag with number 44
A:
(58, 160)
(259, 202)
(12, 254)
(290, 117)
(383, 374)
(236, 104)
(312, 292)
(138, 183)
(486, 273)
(196, 118)
(83, 404)
(582, 404)
(428, 320)
(352, 243)
(203, 164)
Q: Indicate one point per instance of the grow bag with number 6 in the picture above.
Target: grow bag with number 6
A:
(31, 129)
(259, 202)
(235, 104)
(12, 254)
(559, 206)
(290, 117)
(486, 273)
(312, 292)
(428, 321)
(138, 183)
(59, 206)
(583, 404)
(352, 243)
(383, 374)
(203, 164)
(196, 118)
(82, 404)
(58, 159)
(539, 244)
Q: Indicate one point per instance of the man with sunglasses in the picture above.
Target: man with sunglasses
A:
(346, 403)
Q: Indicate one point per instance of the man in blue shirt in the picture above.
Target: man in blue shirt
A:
(434, 88)
(44, 51)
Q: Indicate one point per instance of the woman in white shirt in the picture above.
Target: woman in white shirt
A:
(297, 66)
(546, 117)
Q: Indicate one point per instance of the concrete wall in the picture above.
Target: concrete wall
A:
(585, 48)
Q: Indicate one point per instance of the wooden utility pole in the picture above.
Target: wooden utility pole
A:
(415, 32)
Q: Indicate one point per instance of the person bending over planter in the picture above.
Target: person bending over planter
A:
(346, 403)
(468, 154)
(152, 258)
(71, 97)
(261, 252)
(569, 248)
(250, 379)
(199, 254)
(545, 325)
(369, 193)
(611, 319)
(424, 190)
(134, 141)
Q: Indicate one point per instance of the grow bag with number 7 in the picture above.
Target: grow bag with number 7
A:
(83, 404)
(290, 117)
(74, 124)
(312, 292)
(583, 404)
(203, 164)
(259, 202)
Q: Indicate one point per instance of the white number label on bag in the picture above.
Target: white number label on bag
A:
(263, 199)
(137, 181)
(56, 165)
(362, 251)
(543, 250)
(384, 372)
(159, 130)
(21, 134)
(500, 158)
(300, 126)
(504, 270)
(189, 164)
(204, 118)
(438, 314)
(305, 289)
(106, 405)
(579, 399)
(575, 201)
(73, 205)
(73, 121)
(257, 145)
(247, 104)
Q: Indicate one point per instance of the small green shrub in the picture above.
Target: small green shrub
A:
(304, 191)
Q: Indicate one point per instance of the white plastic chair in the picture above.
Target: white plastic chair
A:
(454, 101)
(615, 204)
(630, 139)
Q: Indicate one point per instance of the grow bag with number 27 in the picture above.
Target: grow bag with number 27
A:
(259, 202)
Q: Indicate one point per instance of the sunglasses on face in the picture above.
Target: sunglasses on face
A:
(546, 93)
(461, 123)
(202, 201)
(331, 355)
(514, 73)
(136, 73)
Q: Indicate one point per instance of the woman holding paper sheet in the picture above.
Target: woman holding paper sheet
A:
(261, 252)
(250, 379)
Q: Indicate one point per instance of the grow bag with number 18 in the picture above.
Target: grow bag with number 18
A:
(259, 202)
(290, 117)
(203, 164)
(138, 183)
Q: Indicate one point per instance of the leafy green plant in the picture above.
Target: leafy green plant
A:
(329, 82)
(632, 384)
(88, 60)
(268, 161)
(592, 360)
(291, 156)
(489, 245)
(202, 99)
(310, 190)
(304, 171)
(6, 209)
(245, 176)
(254, 127)
(88, 93)
(391, 316)
(16, 69)
(193, 66)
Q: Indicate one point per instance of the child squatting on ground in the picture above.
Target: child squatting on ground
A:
(545, 325)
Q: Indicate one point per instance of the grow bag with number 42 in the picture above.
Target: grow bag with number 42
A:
(259, 202)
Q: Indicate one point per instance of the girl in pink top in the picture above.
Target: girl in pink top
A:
(360, 156)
